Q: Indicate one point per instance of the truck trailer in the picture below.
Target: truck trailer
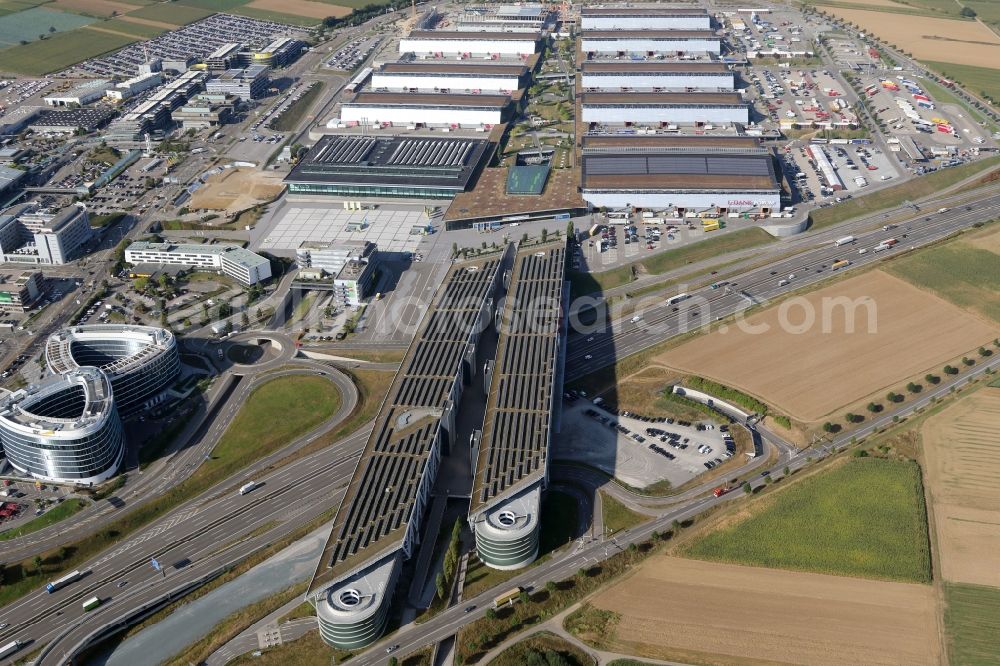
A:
(844, 241)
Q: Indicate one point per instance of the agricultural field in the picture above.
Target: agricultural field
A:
(962, 272)
(928, 37)
(863, 518)
(898, 331)
(709, 613)
(963, 487)
(29, 24)
(972, 624)
(99, 8)
(71, 47)
(978, 80)
(173, 13)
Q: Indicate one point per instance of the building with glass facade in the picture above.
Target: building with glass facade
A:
(65, 429)
(140, 361)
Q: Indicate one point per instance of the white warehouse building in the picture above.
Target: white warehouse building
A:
(720, 175)
(645, 17)
(432, 110)
(436, 75)
(656, 75)
(443, 43)
(623, 42)
(650, 108)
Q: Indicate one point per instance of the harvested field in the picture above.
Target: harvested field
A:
(307, 8)
(149, 22)
(236, 189)
(963, 487)
(898, 332)
(102, 8)
(729, 614)
(929, 38)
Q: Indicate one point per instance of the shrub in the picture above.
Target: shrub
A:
(950, 370)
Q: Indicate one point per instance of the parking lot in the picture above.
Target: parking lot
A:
(639, 450)
(352, 54)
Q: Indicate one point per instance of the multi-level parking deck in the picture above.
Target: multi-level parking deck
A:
(378, 524)
(511, 460)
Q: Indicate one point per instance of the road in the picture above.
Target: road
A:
(604, 344)
(202, 535)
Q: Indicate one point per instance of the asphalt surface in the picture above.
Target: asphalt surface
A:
(606, 343)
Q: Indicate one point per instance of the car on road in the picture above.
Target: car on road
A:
(469, 609)
(391, 649)
(588, 357)
(122, 583)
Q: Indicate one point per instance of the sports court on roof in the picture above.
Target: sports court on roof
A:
(529, 179)
(422, 167)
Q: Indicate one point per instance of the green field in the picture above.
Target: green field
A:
(943, 95)
(617, 516)
(279, 17)
(865, 518)
(174, 13)
(972, 624)
(988, 11)
(31, 23)
(276, 412)
(978, 80)
(935, 8)
(57, 53)
(893, 196)
(543, 649)
(61, 512)
(967, 276)
(140, 30)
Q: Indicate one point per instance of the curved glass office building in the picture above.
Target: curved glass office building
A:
(65, 429)
(140, 361)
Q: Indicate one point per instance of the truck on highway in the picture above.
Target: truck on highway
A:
(508, 598)
(720, 491)
(10, 648)
(673, 300)
(91, 603)
(840, 263)
(844, 241)
(59, 583)
(886, 244)
(248, 487)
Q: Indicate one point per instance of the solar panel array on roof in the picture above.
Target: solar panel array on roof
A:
(343, 149)
(516, 431)
(382, 491)
(431, 152)
(733, 165)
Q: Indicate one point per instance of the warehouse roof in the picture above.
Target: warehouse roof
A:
(646, 10)
(668, 141)
(676, 171)
(630, 66)
(378, 505)
(428, 99)
(515, 438)
(666, 99)
(475, 36)
(392, 160)
(445, 67)
(649, 34)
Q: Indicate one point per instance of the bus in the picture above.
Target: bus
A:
(673, 300)
(710, 226)
(596, 229)
(64, 581)
(91, 603)
(508, 598)
(10, 649)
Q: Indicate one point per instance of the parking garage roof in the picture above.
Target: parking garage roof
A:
(515, 438)
(670, 142)
(392, 160)
(474, 36)
(439, 67)
(428, 99)
(663, 99)
(665, 171)
(379, 502)
(649, 10)
(649, 34)
(629, 66)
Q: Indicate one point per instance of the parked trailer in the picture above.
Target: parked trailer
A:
(10, 649)
(844, 241)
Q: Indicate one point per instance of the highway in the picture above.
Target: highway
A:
(197, 537)
(603, 344)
